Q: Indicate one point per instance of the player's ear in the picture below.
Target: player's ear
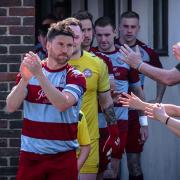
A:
(47, 45)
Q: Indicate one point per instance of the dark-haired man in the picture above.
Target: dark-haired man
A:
(124, 77)
(52, 92)
(97, 80)
(129, 28)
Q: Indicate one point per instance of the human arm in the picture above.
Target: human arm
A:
(172, 110)
(142, 118)
(83, 155)
(61, 100)
(107, 107)
(133, 101)
(176, 50)
(16, 96)
(160, 90)
(133, 58)
(158, 112)
(18, 93)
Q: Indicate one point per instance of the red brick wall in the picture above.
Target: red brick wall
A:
(17, 19)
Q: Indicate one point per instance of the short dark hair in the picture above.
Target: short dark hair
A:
(129, 14)
(104, 21)
(57, 29)
(72, 22)
(59, 4)
(43, 29)
(82, 15)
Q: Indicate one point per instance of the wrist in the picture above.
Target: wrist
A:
(163, 119)
(39, 76)
(24, 82)
(143, 120)
(139, 65)
(167, 120)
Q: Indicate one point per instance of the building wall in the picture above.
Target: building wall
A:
(161, 156)
(16, 37)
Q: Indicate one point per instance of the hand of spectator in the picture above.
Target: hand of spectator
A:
(131, 101)
(133, 58)
(156, 112)
(176, 50)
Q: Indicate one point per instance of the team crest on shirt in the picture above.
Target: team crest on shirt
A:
(119, 61)
(87, 73)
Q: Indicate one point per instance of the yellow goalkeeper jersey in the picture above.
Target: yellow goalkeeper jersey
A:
(97, 80)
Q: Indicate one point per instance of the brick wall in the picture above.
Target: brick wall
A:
(16, 38)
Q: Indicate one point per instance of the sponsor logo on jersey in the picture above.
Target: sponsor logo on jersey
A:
(41, 94)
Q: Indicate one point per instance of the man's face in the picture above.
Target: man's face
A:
(60, 49)
(87, 30)
(105, 38)
(78, 38)
(129, 28)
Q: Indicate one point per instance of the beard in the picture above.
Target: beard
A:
(60, 59)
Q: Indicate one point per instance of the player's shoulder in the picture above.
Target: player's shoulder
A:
(92, 56)
(143, 45)
(71, 70)
(146, 47)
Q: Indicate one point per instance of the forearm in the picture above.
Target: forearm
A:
(55, 96)
(16, 96)
(175, 131)
(84, 152)
(172, 110)
(107, 107)
(160, 92)
(174, 125)
(139, 93)
(168, 77)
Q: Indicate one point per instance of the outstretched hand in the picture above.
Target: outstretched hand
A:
(131, 101)
(133, 58)
(176, 50)
(157, 112)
